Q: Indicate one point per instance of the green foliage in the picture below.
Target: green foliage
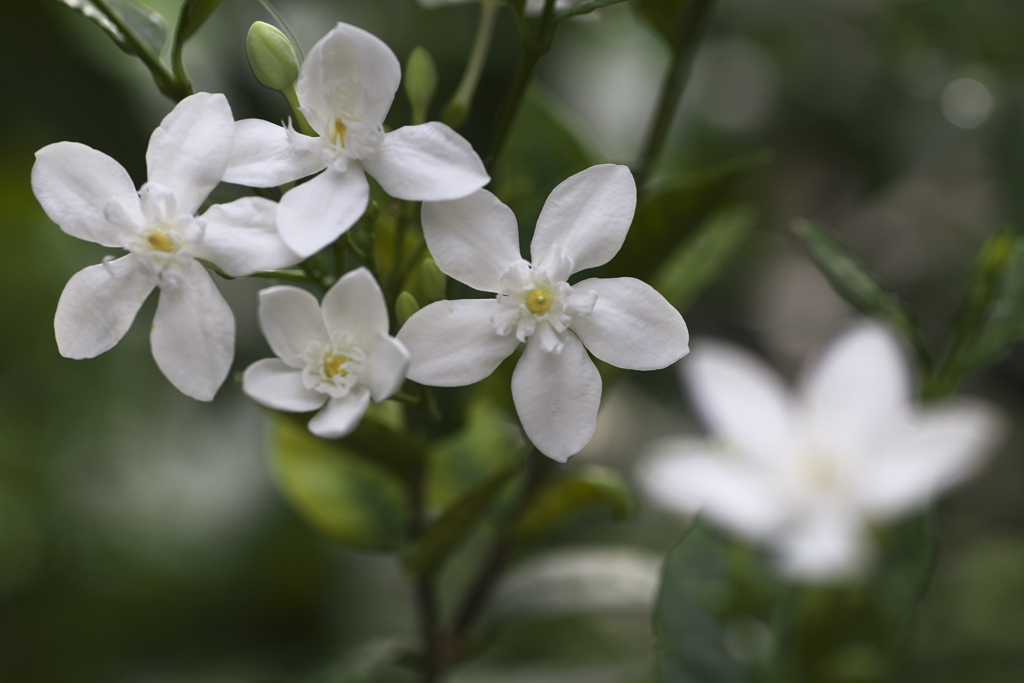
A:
(587, 488)
(420, 82)
(347, 497)
(672, 18)
(585, 8)
(193, 14)
(697, 265)
(454, 525)
(147, 25)
(271, 57)
(405, 306)
(852, 281)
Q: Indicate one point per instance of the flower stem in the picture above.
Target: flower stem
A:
(684, 46)
(457, 109)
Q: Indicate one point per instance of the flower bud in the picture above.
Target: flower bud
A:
(420, 82)
(405, 306)
(271, 57)
(432, 281)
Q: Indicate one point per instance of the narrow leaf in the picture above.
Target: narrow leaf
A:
(444, 535)
(696, 265)
(852, 281)
(148, 25)
(586, 8)
(193, 14)
(589, 488)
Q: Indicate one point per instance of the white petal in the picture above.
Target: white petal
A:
(316, 213)
(473, 239)
(557, 396)
(453, 343)
(189, 151)
(631, 325)
(428, 162)
(588, 216)
(241, 237)
(741, 400)
(193, 335)
(349, 69)
(262, 156)
(98, 306)
(355, 304)
(341, 415)
(386, 365)
(74, 184)
(690, 476)
(936, 450)
(859, 385)
(828, 545)
(273, 383)
(291, 320)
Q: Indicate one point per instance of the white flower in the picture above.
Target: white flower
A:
(341, 355)
(345, 89)
(90, 196)
(807, 473)
(622, 321)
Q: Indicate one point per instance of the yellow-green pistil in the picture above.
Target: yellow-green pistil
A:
(539, 301)
(161, 241)
(339, 132)
(334, 366)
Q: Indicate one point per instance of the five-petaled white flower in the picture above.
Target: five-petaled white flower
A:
(340, 355)
(622, 321)
(345, 89)
(807, 473)
(92, 197)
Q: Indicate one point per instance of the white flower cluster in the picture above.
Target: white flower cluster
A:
(335, 356)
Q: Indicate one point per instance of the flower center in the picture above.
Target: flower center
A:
(334, 365)
(339, 132)
(333, 368)
(159, 240)
(539, 300)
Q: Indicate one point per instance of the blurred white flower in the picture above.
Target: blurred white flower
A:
(808, 472)
(622, 321)
(345, 89)
(534, 7)
(340, 356)
(91, 196)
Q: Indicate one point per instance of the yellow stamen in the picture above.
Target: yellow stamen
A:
(539, 301)
(334, 366)
(340, 131)
(161, 241)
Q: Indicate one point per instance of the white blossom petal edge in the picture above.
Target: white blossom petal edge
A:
(91, 196)
(345, 89)
(808, 472)
(622, 321)
(335, 358)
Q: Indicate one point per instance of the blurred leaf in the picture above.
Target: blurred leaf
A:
(996, 292)
(543, 149)
(487, 444)
(663, 220)
(586, 8)
(673, 19)
(696, 265)
(851, 280)
(444, 535)
(592, 487)
(347, 497)
(193, 14)
(147, 24)
(572, 582)
(691, 615)
(365, 663)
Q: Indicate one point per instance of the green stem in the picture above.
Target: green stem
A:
(684, 46)
(285, 28)
(457, 109)
(167, 82)
(290, 275)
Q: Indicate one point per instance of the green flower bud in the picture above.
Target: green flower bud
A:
(420, 82)
(432, 281)
(405, 306)
(271, 57)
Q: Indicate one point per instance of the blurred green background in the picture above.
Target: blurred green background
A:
(141, 537)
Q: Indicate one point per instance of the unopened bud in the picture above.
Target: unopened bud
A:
(420, 82)
(432, 281)
(271, 57)
(405, 306)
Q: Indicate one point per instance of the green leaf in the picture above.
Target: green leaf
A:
(696, 265)
(586, 8)
(852, 281)
(193, 14)
(147, 24)
(354, 501)
(671, 18)
(693, 613)
(592, 487)
(444, 535)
